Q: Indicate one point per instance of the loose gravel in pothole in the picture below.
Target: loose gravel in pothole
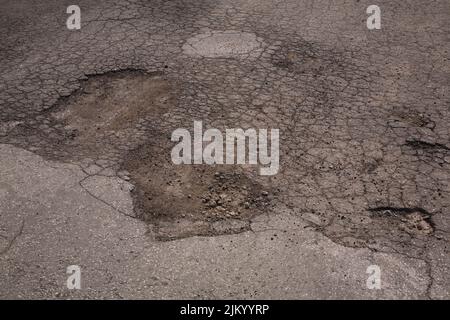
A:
(186, 200)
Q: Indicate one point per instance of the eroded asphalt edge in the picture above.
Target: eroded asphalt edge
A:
(57, 223)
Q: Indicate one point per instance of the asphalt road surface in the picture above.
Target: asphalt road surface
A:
(359, 207)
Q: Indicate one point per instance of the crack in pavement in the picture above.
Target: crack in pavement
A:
(13, 239)
(363, 116)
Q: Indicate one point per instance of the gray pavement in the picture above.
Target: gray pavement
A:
(85, 123)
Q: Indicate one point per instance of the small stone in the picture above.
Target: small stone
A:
(212, 204)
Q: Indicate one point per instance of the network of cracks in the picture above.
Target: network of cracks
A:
(122, 121)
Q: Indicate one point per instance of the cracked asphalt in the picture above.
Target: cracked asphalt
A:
(86, 117)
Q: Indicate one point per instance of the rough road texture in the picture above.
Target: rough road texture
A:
(365, 148)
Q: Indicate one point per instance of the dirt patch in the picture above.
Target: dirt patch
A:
(109, 110)
(186, 200)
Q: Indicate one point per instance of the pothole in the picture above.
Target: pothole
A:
(413, 118)
(302, 57)
(413, 221)
(224, 44)
(110, 111)
(117, 125)
(186, 200)
(113, 103)
(381, 228)
(107, 116)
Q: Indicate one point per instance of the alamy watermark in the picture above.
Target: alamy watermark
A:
(74, 20)
(250, 146)
(374, 279)
(374, 20)
(74, 278)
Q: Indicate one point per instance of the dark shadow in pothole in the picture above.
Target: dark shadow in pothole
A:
(180, 201)
(424, 145)
(429, 152)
